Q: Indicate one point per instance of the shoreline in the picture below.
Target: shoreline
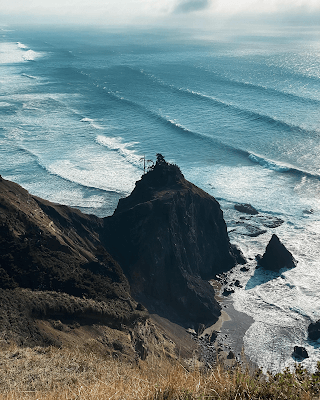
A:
(233, 329)
(230, 327)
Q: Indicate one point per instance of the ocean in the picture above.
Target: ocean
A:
(239, 113)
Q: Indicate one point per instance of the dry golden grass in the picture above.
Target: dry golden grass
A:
(56, 374)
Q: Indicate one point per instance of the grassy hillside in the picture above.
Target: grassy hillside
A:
(53, 374)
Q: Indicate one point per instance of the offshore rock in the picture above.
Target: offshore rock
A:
(314, 330)
(276, 256)
(170, 237)
(300, 352)
(246, 208)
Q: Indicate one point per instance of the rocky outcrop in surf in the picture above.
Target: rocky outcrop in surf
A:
(170, 237)
(314, 330)
(300, 352)
(246, 209)
(276, 256)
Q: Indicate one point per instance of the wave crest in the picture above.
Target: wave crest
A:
(264, 162)
(22, 46)
(30, 55)
(116, 144)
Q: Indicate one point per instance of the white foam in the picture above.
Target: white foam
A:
(31, 55)
(282, 305)
(92, 123)
(86, 120)
(76, 199)
(29, 76)
(12, 53)
(102, 171)
(123, 149)
(22, 46)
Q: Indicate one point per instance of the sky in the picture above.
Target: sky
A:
(135, 12)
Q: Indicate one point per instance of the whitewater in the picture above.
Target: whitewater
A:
(80, 108)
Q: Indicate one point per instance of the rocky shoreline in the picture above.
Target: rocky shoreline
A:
(154, 256)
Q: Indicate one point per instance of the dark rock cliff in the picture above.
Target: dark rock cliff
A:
(170, 237)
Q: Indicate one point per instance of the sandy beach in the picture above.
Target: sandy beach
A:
(231, 325)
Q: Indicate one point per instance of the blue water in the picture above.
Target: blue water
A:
(239, 114)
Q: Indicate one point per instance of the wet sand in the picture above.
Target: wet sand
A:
(233, 330)
(231, 326)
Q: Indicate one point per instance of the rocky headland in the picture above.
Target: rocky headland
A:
(66, 276)
(170, 238)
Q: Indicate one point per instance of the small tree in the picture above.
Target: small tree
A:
(160, 159)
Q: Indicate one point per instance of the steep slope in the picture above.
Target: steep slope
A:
(170, 237)
(54, 268)
(47, 246)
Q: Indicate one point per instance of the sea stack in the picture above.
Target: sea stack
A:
(276, 256)
(170, 238)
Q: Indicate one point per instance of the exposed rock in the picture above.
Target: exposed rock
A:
(117, 345)
(254, 232)
(270, 222)
(243, 228)
(213, 337)
(310, 211)
(300, 352)
(227, 292)
(170, 237)
(231, 355)
(276, 256)
(238, 255)
(314, 330)
(201, 328)
(244, 269)
(246, 208)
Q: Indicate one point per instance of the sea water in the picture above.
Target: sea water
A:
(81, 108)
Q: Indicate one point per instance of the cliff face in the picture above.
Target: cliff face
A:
(47, 246)
(170, 237)
(53, 268)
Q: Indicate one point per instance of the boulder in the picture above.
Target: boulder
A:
(231, 355)
(276, 256)
(300, 352)
(314, 330)
(246, 208)
(227, 292)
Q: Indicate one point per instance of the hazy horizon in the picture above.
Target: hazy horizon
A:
(190, 14)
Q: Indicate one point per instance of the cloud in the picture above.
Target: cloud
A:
(191, 13)
(188, 6)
